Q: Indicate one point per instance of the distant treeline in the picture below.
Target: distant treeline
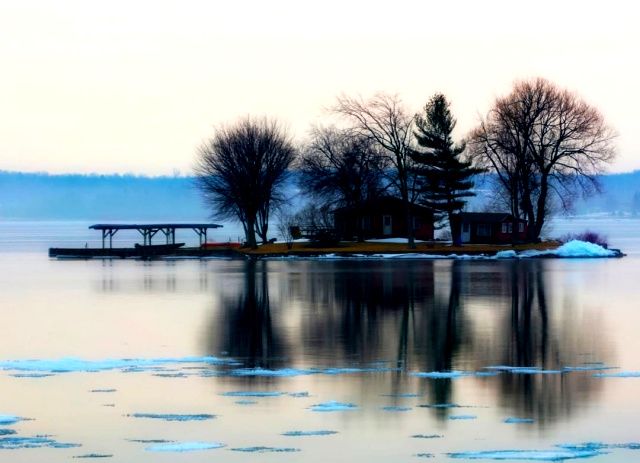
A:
(40, 196)
(99, 197)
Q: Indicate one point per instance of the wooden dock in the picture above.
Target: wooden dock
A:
(148, 250)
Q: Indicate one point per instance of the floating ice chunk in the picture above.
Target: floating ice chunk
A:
(252, 394)
(333, 406)
(72, 364)
(170, 375)
(32, 375)
(510, 368)
(621, 374)
(12, 443)
(9, 419)
(260, 449)
(514, 420)
(184, 446)
(103, 390)
(462, 417)
(246, 402)
(6, 432)
(309, 433)
(284, 372)
(94, 455)
(403, 395)
(589, 367)
(173, 417)
(394, 408)
(439, 374)
(532, 455)
(427, 436)
(299, 395)
(600, 446)
(424, 455)
(444, 405)
(483, 374)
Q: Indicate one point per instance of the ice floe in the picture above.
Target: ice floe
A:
(443, 405)
(103, 390)
(424, 455)
(531, 455)
(333, 406)
(321, 432)
(6, 432)
(73, 364)
(620, 374)
(514, 420)
(246, 402)
(439, 374)
(173, 417)
(394, 408)
(9, 419)
(94, 455)
(427, 436)
(600, 446)
(12, 443)
(184, 446)
(261, 449)
(462, 417)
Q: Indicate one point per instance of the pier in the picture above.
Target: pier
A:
(166, 247)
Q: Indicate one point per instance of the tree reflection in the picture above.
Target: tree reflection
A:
(246, 330)
(415, 316)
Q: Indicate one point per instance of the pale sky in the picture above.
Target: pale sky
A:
(136, 86)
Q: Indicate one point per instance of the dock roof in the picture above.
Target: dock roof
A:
(151, 226)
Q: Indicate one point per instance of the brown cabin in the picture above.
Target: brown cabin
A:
(490, 227)
(383, 218)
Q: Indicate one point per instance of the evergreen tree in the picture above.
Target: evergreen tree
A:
(445, 176)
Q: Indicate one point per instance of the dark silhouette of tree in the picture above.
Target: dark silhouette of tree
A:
(241, 172)
(543, 143)
(384, 120)
(342, 168)
(445, 178)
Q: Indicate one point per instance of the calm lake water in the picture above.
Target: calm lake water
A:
(138, 359)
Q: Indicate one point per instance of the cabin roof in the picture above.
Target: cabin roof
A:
(486, 217)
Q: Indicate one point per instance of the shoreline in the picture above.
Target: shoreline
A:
(366, 250)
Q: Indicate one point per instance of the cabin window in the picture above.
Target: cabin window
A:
(521, 227)
(507, 227)
(366, 223)
(484, 229)
(465, 227)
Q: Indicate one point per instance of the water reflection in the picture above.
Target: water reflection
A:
(413, 316)
(245, 329)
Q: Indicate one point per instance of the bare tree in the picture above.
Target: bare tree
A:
(384, 120)
(241, 171)
(543, 143)
(342, 168)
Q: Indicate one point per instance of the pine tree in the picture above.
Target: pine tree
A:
(445, 176)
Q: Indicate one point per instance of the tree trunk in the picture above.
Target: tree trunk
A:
(410, 237)
(542, 206)
(455, 227)
(251, 232)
